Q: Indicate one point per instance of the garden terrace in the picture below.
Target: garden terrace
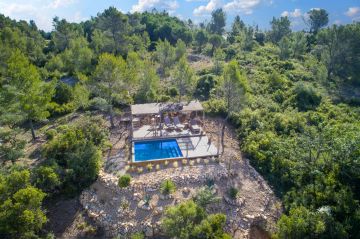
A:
(180, 122)
(157, 120)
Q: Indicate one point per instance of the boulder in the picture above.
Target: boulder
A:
(158, 210)
(137, 197)
(186, 190)
(165, 197)
(93, 215)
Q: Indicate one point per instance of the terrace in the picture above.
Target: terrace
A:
(168, 131)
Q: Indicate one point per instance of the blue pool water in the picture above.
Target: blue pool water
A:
(156, 149)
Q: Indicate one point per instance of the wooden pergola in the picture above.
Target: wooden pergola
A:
(157, 110)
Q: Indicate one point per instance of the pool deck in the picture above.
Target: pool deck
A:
(194, 147)
(191, 147)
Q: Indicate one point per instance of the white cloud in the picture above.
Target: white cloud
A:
(337, 22)
(42, 12)
(143, 5)
(14, 8)
(296, 13)
(208, 8)
(243, 6)
(238, 6)
(296, 17)
(60, 3)
(352, 11)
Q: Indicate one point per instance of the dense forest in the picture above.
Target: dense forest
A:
(294, 98)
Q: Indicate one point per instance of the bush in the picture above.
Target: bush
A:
(210, 182)
(189, 213)
(11, 145)
(205, 196)
(63, 93)
(189, 220)
(167, 187)
(21, 215)
(215, 107)
(61, 109)
(50, 134)
(204, 86)
(233, 192)
(164, 98)
(277, 81)
(210, 226)
(94, 129)
(306, 98)
(137, 235)
(149, 167)
(77, 153)
(173, 92)
(98, 103)
(46, 178)
(124, 181)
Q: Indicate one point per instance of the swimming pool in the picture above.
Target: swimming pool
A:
(156, 149)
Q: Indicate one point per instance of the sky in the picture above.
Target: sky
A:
(253, 12)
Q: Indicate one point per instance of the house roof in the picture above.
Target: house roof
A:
(154, 108)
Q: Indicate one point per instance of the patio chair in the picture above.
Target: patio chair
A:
(177, 123)
(195, 128)
(168, 123)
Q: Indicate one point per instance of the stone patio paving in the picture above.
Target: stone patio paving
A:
(192, 147)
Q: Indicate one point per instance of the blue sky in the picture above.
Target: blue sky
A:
(251, 11)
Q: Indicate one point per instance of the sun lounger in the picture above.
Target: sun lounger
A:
(168, 123)
(195, 128)
(177, 123)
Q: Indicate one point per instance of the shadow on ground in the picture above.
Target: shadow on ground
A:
(67, 219)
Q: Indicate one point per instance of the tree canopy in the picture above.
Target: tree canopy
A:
(292, 98)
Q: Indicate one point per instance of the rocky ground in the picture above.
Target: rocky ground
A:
(199, 62)
(122, 211)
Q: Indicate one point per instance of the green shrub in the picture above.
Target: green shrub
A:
(233, 192)
(137, 235)
(46, 178)
(50, 134)
(189, 213)
(21, 214)
(11, 145)
(189, 220)
(210, 182)
(98, 103)
(215, 107)
(167, 187)
(306, 97)
(204, 86)
(61, 109)
(212, 225)
(124, 181)
(277, 81)
(77, 152)
(164, 98)
(173, 92)
(63, 93)
(147, 199)
(94, 129)
(205, 196)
